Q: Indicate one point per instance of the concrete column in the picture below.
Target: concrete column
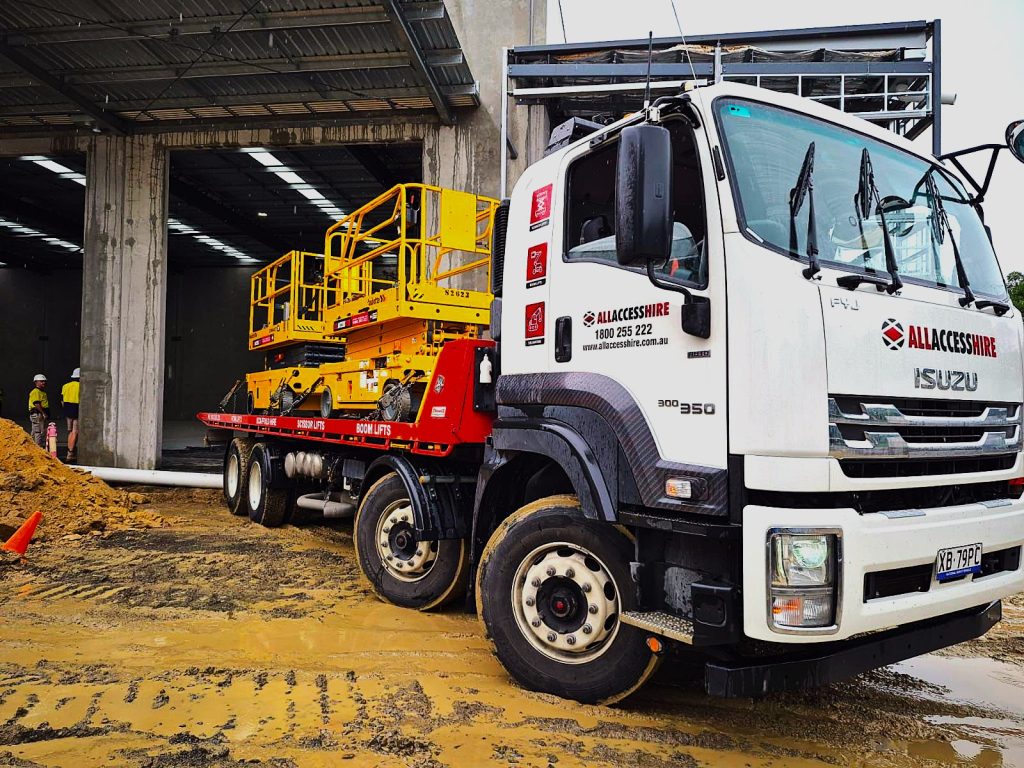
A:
(124, 289)
(467, 155)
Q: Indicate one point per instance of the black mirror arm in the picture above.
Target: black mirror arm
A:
(667, 286)
(980, 190)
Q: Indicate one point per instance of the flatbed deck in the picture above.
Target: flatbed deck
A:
(449, 415)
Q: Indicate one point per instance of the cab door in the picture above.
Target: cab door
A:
(612, 323)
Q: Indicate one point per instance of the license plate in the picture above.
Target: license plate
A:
(957, 561)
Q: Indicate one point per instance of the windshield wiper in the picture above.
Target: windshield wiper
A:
(867, 193)
(940, 227)
(805, 189)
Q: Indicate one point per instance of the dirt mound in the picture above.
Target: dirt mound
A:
(72, 502)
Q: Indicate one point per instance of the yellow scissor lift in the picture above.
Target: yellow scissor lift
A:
(388, 273)
(286, 322)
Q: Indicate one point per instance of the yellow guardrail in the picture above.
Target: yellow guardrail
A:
(286, 301)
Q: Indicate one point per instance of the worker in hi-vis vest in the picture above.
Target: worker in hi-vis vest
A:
(70, 397)
(39, 410)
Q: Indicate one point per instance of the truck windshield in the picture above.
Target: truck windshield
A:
(766, 146)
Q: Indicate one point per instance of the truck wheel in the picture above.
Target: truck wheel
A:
(401, 570)
(327, 403)
(550, 587)
(236, 474)
(400, 407)
(266, 506)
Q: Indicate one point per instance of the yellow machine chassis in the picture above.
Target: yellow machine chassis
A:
(263, 385)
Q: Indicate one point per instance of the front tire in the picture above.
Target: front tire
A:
(236, 474)
(265, 505)
(413, 574)
(551, 585)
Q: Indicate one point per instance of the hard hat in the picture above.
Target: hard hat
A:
(76, 374)
(39, 377)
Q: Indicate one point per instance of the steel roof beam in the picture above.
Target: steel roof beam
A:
(106, 119)
(373, 165)
(263, 99)
(261, 68)
(256, 22)
(682, 69)
(400, 23)
(185, 191)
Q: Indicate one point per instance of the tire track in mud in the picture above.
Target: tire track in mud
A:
(217, 643)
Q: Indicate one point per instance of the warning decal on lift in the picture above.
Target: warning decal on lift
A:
(537, 265)
(363, 318)
(262, 340)
(535, 324)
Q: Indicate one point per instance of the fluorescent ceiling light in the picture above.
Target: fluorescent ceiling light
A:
(311, 194)
(264, 158)
(50, 165)
(289, 177)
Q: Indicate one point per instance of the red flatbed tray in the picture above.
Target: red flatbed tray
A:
(447, 417)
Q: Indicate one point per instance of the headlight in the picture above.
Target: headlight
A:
(803, 568)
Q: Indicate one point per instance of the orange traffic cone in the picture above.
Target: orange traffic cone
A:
(18, 543)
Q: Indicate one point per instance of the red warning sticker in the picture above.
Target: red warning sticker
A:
(535, 324)
(537, 265)
(540, 211)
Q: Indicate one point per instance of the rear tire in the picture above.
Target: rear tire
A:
(413, 574)
(550, 587)
(236, 474)
(266, 506)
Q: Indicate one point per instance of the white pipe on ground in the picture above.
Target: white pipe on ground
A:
(155, 477)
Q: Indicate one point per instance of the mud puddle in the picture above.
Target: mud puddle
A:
(218, 643)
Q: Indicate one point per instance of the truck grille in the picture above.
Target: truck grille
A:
(891, 437)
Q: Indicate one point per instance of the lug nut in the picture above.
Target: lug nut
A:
(592, 608)
(535, 622)
(399, 564)
(570, 640)
(529, 602)
(535, 583)
(585, 587)
(419, 553)
(551, 637)
(587, 629)
(551, 571)
(387, 528)
(389, 557)
(570, 573)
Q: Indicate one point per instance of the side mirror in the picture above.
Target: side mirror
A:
(1015, 139)
(697, 316)
(643, 195)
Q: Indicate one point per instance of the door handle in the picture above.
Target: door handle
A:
(563, 339)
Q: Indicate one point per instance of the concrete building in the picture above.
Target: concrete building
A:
(132, 216)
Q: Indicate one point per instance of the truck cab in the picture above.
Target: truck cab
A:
(760, 392)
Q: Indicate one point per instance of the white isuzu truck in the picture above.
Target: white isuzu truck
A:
(755, 388)
(768, 349)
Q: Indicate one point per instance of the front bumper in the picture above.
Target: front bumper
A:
(827, 665)
(883, 542)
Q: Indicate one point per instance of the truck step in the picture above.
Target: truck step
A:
(661, 623)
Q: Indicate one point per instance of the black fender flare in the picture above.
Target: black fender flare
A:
(434, 510)
(564, 445)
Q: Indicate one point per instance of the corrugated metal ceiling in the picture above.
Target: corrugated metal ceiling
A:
(185, 61)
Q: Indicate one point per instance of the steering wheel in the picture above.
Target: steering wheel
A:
(894, 204)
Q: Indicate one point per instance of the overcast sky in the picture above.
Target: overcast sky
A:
(982, 62)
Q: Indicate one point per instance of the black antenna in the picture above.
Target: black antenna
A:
(650, 55)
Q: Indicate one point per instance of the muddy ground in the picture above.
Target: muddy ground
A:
(215, 643)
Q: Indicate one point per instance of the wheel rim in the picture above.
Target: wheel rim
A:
(255, 486)
(326, 403)
(402, 556)
(566, 603)
(232, 475)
